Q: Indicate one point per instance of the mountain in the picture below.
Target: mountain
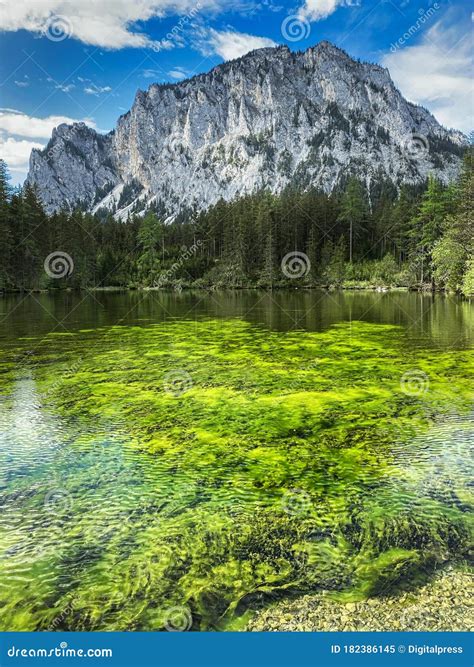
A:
(266, 120)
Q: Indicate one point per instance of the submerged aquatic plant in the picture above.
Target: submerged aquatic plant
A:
(280, 462)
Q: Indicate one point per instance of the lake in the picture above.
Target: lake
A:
(180, 461)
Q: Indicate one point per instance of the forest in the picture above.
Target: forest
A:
(416, 237)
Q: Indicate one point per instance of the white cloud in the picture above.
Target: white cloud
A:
(108, 24)
(230, 44)
(151, 73)
(16, 152)
(178, 73)
(435, 74)
(315, 10)
(65, 89)
(20, 124)
(22, 84)
(97, 90)
(20, 133)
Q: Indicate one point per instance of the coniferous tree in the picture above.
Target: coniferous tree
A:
(151, 239)
(242, 242)
(453, 253)
(354, 212)
(427, 225)
(6, 237)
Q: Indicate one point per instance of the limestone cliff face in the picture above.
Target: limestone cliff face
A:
(265, 120)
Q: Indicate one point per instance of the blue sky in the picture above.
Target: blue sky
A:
(65, 60)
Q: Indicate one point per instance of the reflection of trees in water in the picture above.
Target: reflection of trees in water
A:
(445, 319)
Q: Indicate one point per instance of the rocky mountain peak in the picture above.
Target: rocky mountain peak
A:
(266, 120)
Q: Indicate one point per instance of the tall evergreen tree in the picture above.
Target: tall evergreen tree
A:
(243, 241)
(151, 239)
(6, 237)
(453, 253)
(354, 211)
(427, 225)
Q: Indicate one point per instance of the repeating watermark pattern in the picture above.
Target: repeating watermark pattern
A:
(295, 265)
(178, 619)
(72, 370)
(58, 28)
(114, 599)
(295, 28)
(424, 16)
(174, 144)
(414, 382)
(176, 34)
(177, 286)
(60, 618)
(177, 382)
(58, 264)
(186, 253)
(296, 502)
(416, 262)
(416, 146)
(58, 147)
(58, 500)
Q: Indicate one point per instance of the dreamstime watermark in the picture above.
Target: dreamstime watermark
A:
(414, 382)
(176, 33)
(425, 15)
(416, 145)
(295, 265)
(61, 651)
(57, 500)
(177, 382)
(60, 618)
(58, 264)
(57, 148)
(178, 619)
(58, 28)
(114, 599)
(295, 28)
(415, 262)
(296, 502)
(69, 372)
(173, 145)
(186, 253)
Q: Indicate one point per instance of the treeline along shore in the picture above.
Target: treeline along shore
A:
(415, 237)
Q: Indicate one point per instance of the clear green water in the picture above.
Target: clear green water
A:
(170, 461)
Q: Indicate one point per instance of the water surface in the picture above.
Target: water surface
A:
(176, 461)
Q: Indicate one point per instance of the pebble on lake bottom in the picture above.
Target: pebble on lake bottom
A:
(442, 605)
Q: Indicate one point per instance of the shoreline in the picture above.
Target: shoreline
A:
(190, 288)
(442, 604)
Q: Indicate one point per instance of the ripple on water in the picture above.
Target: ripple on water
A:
(133, 500)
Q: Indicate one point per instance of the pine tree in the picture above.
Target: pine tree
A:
(427, 225)
(6, 237)
(150, 237)
(402, 212)
(453, 253)
(267, 236)
(354, 211)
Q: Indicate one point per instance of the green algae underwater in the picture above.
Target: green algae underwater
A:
(183, 473)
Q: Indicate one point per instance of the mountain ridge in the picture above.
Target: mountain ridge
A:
(268, 119)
